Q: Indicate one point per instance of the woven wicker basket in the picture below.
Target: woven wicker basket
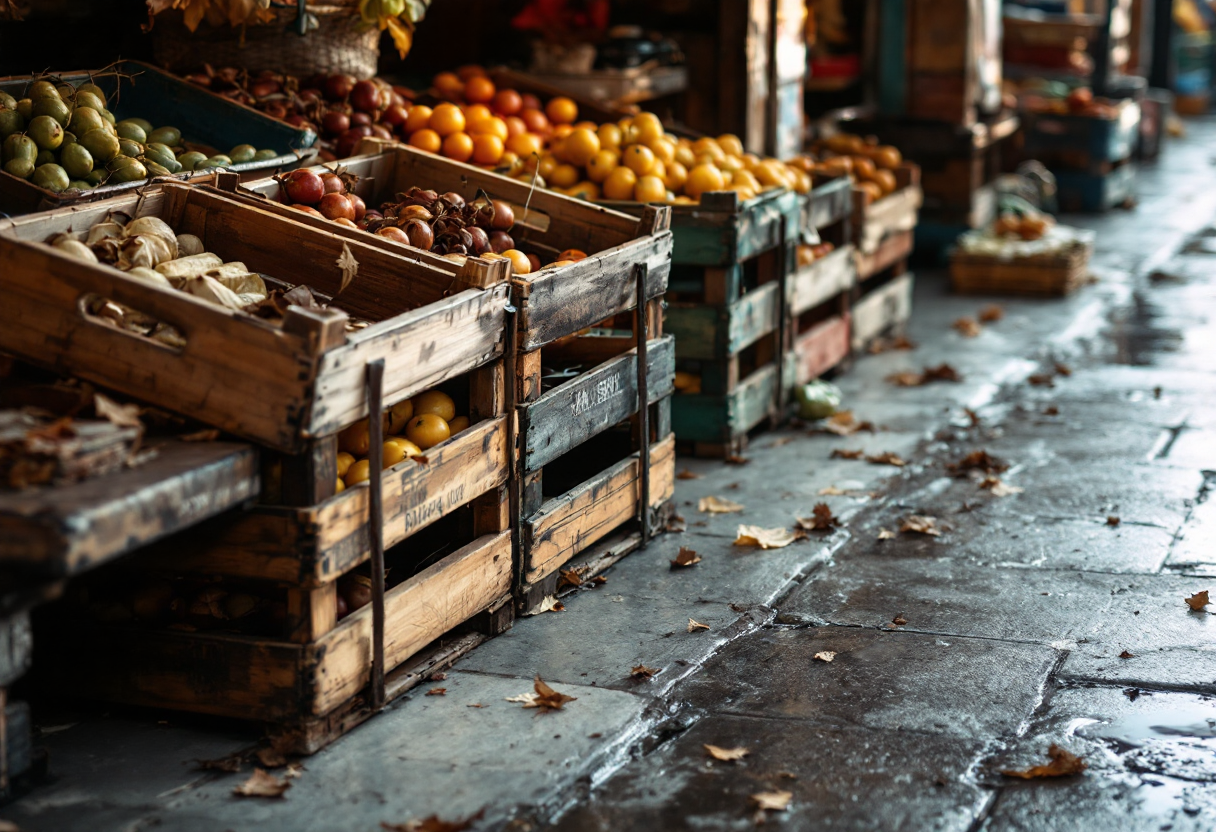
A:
(1042, 275)
(342, 43)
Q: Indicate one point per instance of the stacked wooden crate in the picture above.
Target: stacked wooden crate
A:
(1090, 154)
(726, 309)
(884, 236)
(819, 294)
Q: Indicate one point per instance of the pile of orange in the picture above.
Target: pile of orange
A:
(870, 165)
(412, 426)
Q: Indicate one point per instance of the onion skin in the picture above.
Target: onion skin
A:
(392, 232)
(303, 186)
(335, 206)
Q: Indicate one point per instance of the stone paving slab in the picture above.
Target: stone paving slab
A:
(888, 680)
(1194, 550)
(846, 778)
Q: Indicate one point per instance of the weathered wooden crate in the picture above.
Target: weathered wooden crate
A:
(1087, 192)
(883, 229)
(284, 386)
(1041, 275)
(884, 309)
(1080, 142)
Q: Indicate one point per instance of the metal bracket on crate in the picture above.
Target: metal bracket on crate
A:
(375, 520)
(640, 272)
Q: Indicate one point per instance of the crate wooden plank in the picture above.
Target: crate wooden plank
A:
(823, 279)
(827, 204)
(702, 417)
(568, 524)
(893, 250)
(708, 332)
(1053, 275)
(315, 545)
(892, 214)
(572, 413)
(61, 531)
(821, 348)
(882, 309)
(16, 646)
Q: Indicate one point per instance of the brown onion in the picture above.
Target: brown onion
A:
(334, 206)
(500, 241)
(392, 232)
(419, 234)
(480, 240)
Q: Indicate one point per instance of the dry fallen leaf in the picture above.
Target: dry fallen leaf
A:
(642, 672)
(886, 534)
(920, 524)
(545, 697)
(569, 577)
(968, 327)
(271, 757)
(122, 415)
(736, 459)
(978, 461)
(694, 625)
(1063, 763)
(231, 763)
(886, 458)
(972, 417)
(764, 538)
(899, 621)
(1062, 369)
(1051, 410)
(832, 491)
(1041, 379)
(262, 784)
(773, 801)
(1198, 601)
(825, 655)
(942, 372)
(845, 424)
(726, 755)
(685, 557)
(1126, 655)
(845, 453)
(998, 488)
(822, 519)
(685, 474)
(881, 345)
(599, 580)
(437, 692)
(549, 604)
(349, 266)
(716, 505)
(434, 824)
(1112, 520)
(991, 313)
(906, 378)
(675, 524)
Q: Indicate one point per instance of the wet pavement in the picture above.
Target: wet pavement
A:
(1048, 611)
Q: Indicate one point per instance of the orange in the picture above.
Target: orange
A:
(458, 146)
(417, 118)
(507, 102)
(581, 146)
(771, 173)
(585, 190)
(519, 261)
(620, 183)
(677, 175)
(536, 121)
(746, 177)
(731, 163)
(685, 156)
(707, 146)
(359, 472)
(449, 85)
(601, 164)
(573, 255)
(730, 144)
(649, 189)
(487, 150)
(489, 125)
(339, 486)
(750, 160)
(704, 178)
(525, 144)
(427, 430)
(515, 126)
(562, 130)
(664, 150)
(355, 440)
(475, 112)
(609, 135)
(563, 176)
(638, 158)
(394, 452)
(659, 169)
(345, 460)
(547, 165)
(408, 448)
(587, 125)
(435, 401)
(446, 120)
(479, 90)
(647, 127)
(398, 415)
(561, 110)
(427, 140)
(460, 422)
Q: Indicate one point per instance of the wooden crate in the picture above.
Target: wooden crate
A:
(883, 229)
(1041, 275)
(883, 308)
(1081, 143)
(285, 386)
(1096, 192)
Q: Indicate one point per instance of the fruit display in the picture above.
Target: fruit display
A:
(1051, 98)
(869, 164)
(61, 137)
(1024, 226)
(808, 254)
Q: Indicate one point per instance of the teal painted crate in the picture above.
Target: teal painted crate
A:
(1094, 193)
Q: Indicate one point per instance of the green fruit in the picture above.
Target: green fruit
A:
(65, 90)
(21, 168)
(87, 99)
(191, 159)
(85, 119)
(7, 101)
(51, 177)
(264, 155)
(101, 144)
(76, 160)
(156, 170)
(79, 184)
(45, 157)
(166, 135)
(214, 162)
(143, 123)
(126, 169)
(26, 108)
(242, 153)
(108, 116)
(68, 138)
(10, 122)
(129, 148)
(128, 129)
(19, 146)
(92, 89)
(97, 177)
(42, 89)
(46, 131)
(53, 107)
(165, 160)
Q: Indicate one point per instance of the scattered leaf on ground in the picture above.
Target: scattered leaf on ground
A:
(881, 345)
(845, 453)
(231, 763)
(886, 458)
(991, 313)
(1063, 764)
(122, 415)
(968, 327)
(825, 655)
(438, 676)
(204, 435)
(545, 697)
(906, 378)
(434, 824)
(294, 772)
(1051, 410)
(475, 705)
(920, 524)
(821, 519)
(772, 801)
(685, 474)
(726, 755)
(675, 524)
(437, 692)
(886, 534)
(1112, 520)
(569, 577)
(845, 423)
(599, 580)
(899, 621)
(998, 488)
(972, 417)
(780, 440)
(1198, 601)
(685, 557)
(1041, 379)
(694, 625)
(717, 505)
(1126, 655)
(736, 459)
(549, 604)
(271, 757)
(978, 461)
(1062, 369)
(777, 538)
(832, 491)
(262, 784)
(642, 672)
(942, 372)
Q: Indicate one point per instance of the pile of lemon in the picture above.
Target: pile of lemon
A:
(412, 426)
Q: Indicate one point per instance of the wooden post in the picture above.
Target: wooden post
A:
(375, 510)
(641, 319)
